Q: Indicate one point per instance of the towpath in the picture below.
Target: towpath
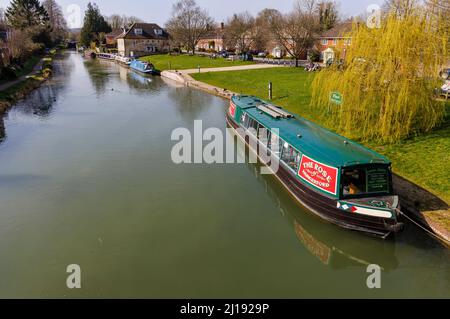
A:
(7, 85)
(184, 77)
(232, 68)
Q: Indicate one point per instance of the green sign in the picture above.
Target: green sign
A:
(377, 180)
(336, 98)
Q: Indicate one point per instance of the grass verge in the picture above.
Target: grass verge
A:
(183, 62)
(421, 159)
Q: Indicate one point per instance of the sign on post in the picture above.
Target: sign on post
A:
(336, 98)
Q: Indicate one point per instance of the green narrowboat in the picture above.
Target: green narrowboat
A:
(335, 178)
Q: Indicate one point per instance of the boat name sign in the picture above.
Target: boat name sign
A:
(319, 175)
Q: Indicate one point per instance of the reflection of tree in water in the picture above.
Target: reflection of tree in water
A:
(40, 101)
(2, 129)
(188, 102)
(333, 246)
(98, 74)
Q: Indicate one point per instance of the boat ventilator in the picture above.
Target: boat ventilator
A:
(274, 111)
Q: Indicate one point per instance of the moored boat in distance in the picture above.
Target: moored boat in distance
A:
(123, 60)
(143, 67)
(334, 177)
(106, 56)
(90, 54)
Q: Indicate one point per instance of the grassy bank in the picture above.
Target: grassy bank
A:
(19, 90)
(423, 159)
(183, 62)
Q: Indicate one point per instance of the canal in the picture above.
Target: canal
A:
(86, 178)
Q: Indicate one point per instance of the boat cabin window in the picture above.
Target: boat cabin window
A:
(252, 126)
(290, 156)
(275, 144)
(360, 181)
(263, 134)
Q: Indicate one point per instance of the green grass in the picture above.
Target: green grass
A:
(183, 62)
(28, 66)
(422, 159)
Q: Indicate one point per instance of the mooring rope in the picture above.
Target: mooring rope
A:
(421, 227)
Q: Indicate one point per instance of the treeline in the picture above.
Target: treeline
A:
(96, 26)
(31, 26)
(296, 32)
(388, 78)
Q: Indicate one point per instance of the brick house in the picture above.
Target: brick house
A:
(333, 43)
(143, 39)
(213, 40)
(111, 38)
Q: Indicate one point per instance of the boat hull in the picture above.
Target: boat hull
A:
(149, 72)
(323, 206)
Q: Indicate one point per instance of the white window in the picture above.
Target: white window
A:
(334, 41)
(158, 31)
(138, 31)
(324, 41)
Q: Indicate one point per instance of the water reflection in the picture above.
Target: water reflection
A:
(334, 247)
(2, 129)
(189, 103)
(98, 74)
(40, 102)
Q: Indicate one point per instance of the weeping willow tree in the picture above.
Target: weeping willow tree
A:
(388, 79)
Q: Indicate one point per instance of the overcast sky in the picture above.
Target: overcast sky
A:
(158, 11)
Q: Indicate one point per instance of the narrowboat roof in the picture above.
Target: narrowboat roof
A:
(314, 141)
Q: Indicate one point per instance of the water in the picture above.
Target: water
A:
(86, 178)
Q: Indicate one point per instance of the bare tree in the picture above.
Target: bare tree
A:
(57, 21)
(263, 32)
(188, 24)
(122, 21)
(400, 7)
(21, 45)
(328, 15)
(297, 31)
(240, 32)
(115, 21)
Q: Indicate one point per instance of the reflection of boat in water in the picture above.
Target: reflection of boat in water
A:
(333, 246)
(139, 78)
(342, 251)
(123, 60)
(90, 54)
(336, 178)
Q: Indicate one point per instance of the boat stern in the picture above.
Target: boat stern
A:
(383, 208)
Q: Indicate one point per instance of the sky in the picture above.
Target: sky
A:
(158, 11)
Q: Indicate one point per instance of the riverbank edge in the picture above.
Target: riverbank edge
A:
(407, 191)
(23, 88)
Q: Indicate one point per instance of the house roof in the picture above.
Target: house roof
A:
(148, 32)
(115, 33)
(339, 31)
(215, 33)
